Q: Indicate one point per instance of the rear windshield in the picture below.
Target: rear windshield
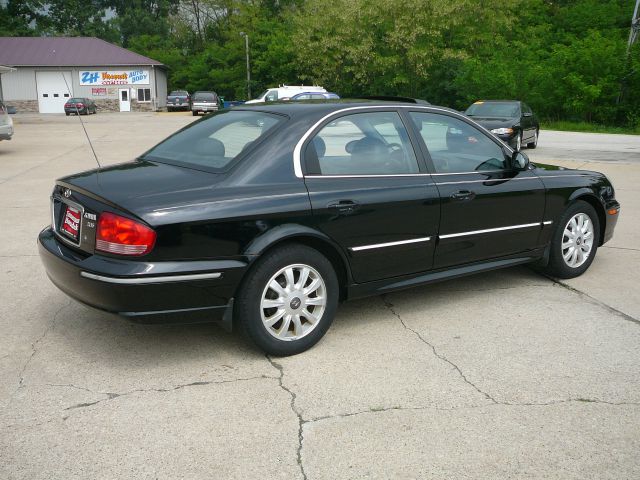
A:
(215, 141)
(493, 109)
(76, 100)
(205, 97)
(178, 92)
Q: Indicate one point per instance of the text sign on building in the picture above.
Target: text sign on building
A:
(114, 77)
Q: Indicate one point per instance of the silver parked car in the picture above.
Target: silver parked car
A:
(6, 123)
(204, 102)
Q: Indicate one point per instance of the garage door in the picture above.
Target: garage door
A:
(53, 91)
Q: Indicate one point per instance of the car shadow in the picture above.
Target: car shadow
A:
(91, 335)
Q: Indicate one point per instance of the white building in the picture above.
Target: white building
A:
(47, 71)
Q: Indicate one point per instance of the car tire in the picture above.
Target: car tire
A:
(67, 113)
(563, 263)
(518, 142)
(288, 319)
(195, 114)
(534, 144)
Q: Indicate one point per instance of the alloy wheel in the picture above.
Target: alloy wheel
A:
(577, 240)
(293, 302)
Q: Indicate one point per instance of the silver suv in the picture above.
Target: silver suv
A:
(6, 123)
(204, 102)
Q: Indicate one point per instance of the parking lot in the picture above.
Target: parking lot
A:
(501, 375)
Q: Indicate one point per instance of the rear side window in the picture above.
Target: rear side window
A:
(362, 144)
(205, 97)
(215, 141)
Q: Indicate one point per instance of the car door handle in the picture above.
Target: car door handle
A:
(344, 207)
(463, 195)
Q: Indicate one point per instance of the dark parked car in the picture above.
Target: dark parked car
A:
(268, 215)
(204, 102)
(80, 106)
(512, 121)
(178, 100)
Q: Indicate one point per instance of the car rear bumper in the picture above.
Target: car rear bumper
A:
(188, 291)
(204, 108)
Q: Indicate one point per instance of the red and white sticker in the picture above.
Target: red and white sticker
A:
(71, 223)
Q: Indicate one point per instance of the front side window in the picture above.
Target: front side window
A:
(214, 142)
(362, 144)
(457, 147)
(272, 96)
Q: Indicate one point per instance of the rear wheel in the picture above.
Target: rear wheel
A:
(288, 300)
(194, 113)
(575, 241)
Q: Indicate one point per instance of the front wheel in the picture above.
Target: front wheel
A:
(518, 142)
(534, 144)
(195, 114)
(575, 241)
(288, 300)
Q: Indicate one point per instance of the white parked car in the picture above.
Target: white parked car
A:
(285, 92)
(6, 123)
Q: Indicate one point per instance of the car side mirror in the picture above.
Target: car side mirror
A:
(527, 114)
(519, 161)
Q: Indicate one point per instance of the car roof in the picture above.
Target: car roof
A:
(293, 109)
(497, 101)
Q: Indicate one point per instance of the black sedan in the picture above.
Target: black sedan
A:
(267, 216)
(80, 106)
(512, 121)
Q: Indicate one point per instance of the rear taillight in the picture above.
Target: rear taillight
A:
(80, 105)
(123, 236)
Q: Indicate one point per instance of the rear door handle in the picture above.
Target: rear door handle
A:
(344, 207)
(463, 195)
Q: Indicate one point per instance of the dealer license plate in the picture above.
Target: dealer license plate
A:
(71, 223)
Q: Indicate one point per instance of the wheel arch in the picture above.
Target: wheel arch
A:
(301, 234)
(586, 195)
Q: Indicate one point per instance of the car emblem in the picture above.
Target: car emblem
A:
(66, 192)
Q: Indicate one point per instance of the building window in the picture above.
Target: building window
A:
(144, 95)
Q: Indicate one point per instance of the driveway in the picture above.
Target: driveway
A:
(502, 375)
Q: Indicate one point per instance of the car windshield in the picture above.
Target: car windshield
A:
(493, 109)
(214, 142)
(204, 97)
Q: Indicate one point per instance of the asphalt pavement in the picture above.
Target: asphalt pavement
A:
(506, 374)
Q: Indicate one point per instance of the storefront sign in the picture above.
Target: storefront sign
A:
(100, 91)
(114, 77)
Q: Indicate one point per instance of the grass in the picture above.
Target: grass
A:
(568, 126)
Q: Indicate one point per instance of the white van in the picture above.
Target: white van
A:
(284, 92)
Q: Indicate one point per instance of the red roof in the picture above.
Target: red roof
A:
(66, 51)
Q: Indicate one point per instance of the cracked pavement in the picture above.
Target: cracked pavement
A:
(507, 374)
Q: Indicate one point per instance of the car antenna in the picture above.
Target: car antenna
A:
(81, 122)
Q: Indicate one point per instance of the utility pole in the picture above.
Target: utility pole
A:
(635, 27)
(246, 44)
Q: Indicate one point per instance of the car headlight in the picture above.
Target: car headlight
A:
(502, 131)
